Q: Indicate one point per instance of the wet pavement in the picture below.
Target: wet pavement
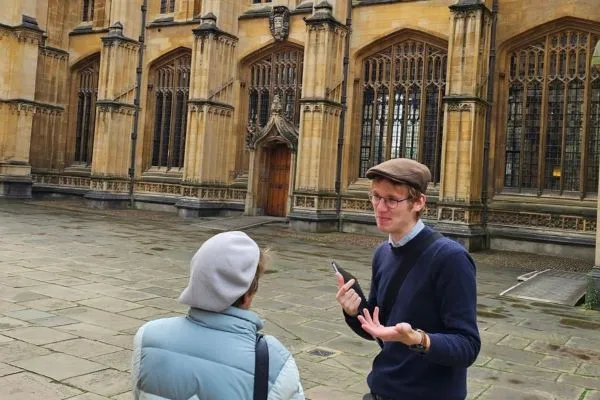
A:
(76, 283)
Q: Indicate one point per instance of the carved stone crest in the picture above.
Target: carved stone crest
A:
(279, 22)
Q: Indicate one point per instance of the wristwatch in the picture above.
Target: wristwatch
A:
(420, 347)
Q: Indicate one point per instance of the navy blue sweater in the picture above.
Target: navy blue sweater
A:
(438, 295)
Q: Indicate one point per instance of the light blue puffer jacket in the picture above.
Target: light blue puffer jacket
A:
(208, 356)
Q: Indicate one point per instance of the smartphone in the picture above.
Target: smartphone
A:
(347, 276)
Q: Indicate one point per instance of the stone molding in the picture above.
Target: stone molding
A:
(211, 107)
(28, 107)
(542, 220)
(109, 106)
(52, 52)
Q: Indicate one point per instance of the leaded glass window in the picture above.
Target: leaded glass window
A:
(88, 10)
(171, 92)
(552, 133)
(87, 93)
(167, 6)
(403, 89)
(279, 73)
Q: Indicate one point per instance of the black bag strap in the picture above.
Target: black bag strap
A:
(261, 368)
(400, 274)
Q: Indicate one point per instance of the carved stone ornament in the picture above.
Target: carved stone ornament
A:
(279, 22)
(277, 129)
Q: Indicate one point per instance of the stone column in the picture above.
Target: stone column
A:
(20, 40)
(210, 140)
(460, 205)
(114, 120)
(314, 196)
(593, 292)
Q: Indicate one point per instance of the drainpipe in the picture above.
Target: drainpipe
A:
(340, 144)
(488, 118)
(136, 101)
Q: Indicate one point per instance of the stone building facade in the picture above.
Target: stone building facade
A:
(279, 107)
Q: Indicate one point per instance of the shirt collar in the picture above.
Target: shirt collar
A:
(409, 236)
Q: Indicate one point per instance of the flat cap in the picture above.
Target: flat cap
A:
(402, 170)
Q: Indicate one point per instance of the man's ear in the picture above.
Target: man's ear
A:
(418, 204)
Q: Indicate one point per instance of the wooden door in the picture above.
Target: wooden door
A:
(279, 180)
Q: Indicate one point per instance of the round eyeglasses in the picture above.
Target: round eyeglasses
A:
(389, 203)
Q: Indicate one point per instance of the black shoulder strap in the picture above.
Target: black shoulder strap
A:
(397, 279)
(261, 369)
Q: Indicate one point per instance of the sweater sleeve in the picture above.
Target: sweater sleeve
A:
(353, 322)
(456, 292)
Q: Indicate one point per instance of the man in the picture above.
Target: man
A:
(428, 330)
(210, 353)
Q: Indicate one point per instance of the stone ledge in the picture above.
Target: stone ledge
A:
(156, 199)
(99, 199)
(542, 236)
(313, 221)
(69, 190)
(15, 187)
(194, 208)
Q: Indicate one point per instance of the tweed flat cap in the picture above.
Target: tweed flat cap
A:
(402, 170)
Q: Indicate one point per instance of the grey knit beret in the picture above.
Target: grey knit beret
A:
(221, 271)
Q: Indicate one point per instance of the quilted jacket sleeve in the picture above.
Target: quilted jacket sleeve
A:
(287, 385)
(135, 363)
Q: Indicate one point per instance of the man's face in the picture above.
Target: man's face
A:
(401, 218)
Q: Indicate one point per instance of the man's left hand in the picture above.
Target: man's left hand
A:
(401, 332)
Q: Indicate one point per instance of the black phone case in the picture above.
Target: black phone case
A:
(347, 276)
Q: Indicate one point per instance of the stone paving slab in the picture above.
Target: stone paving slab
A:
(58, 366)
(108, 382)
(75, 284)
(25, 385)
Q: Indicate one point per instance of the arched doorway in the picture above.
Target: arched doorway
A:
(272, 164)
(279, 162)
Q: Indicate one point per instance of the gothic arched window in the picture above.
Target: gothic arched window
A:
(88, 10)
(278, 73)
(167, 6)
(401, 116)
(171, 92)
(552, 133)
(87, 93)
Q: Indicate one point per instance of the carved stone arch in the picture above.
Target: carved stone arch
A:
(168, 56)
(82, 112)
(545, 80)
(273, 149)
(75, 64)
(539, 31)
(169, 77)
(271, 129)
(267, 48)
(385, 40)
(398, 114)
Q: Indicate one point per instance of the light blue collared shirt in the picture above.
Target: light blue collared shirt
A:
(408, 237)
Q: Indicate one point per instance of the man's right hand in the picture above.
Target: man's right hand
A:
(347, 297)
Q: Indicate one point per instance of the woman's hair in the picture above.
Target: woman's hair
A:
(263, 260)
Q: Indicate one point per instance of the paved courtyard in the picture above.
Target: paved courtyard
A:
(75, 284)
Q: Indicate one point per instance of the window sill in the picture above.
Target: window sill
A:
(572, 200)
(79, 169)
(163, 175)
